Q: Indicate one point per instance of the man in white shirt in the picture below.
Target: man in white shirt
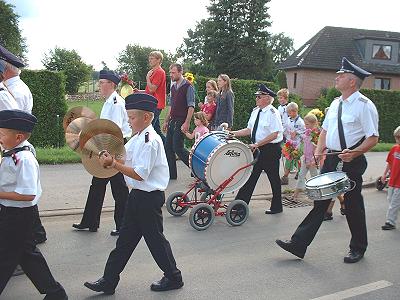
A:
(350, 128)
(7, 101)
(113, 110)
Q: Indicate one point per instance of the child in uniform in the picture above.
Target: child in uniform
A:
(20, 191)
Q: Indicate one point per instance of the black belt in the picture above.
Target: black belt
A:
(12, 208)
(350, 148)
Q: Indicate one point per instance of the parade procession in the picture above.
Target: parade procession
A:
(220, 187)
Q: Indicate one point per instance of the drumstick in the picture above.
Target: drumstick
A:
(337, 153)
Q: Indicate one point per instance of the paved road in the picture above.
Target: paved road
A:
(227, 262)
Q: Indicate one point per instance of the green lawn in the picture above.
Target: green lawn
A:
(93, 105)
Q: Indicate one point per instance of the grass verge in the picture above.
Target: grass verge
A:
(53, 156)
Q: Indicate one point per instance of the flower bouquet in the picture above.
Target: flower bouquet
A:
(189, 77)
(318, 113)
(292, 152)
(314, 135)
(127, 86)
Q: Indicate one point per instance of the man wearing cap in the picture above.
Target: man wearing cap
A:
(7, 101)
(20, 191)
(351, 128)
(266, 132)
(146, 170)
(113, 110)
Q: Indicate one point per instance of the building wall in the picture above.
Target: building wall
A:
(310, 82)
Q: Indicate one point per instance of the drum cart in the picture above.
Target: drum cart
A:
(206, 202)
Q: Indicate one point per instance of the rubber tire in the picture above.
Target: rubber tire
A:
(170, 202)
(234, 205)
(379, 185)
(193, 215)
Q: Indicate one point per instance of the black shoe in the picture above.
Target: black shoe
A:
(343, 211)
(100, 285)
(353, 257)
(40, 240)
(60, 295)
(81, 227)
(272, 212)
(328, 216)
(291, 247)
(388, 226)
(114, 232)
(166, 284)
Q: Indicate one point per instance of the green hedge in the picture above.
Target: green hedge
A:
(48, 91)
(387, 104)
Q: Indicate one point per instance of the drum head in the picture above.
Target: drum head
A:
(326, 179)
(224, 161)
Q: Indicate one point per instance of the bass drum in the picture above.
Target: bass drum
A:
(215, 157)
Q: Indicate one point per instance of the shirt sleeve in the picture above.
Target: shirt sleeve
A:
(27, 177)
(389, 158)
(276, 122)
(157, 77)
(370, 120)
(145, 164)
(190, 96)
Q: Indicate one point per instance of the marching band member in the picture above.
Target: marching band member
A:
(351, 124)
(266, 131)
(146, 170)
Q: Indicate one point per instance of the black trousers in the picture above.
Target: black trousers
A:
(17, 247)
(95, 199)
(268, 161)
(39, 232)
(174, 145)
(355, 210)
(143, 218)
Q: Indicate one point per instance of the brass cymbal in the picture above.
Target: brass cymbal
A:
(90, 154)
(73, 131)
(77, 112)
(126, 90)
(96, 127)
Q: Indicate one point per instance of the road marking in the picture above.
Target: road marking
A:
(363, 289)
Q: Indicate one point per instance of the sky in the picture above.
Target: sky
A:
(99, 30)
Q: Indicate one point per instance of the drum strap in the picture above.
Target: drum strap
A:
(340, 127)
(254, 131)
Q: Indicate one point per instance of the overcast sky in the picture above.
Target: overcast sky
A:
(99, 30)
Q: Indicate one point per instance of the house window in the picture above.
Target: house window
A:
(382, 83)
(382, 52)
(295, 80)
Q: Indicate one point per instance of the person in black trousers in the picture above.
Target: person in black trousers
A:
(266, 131)
(20, 191)
(350, 128)
(146, 169)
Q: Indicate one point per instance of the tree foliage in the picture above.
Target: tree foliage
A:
(234, 40)
(134, 61)
(68, 61)
(10, 34)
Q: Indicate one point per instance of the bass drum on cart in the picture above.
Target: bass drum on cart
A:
(216, 156)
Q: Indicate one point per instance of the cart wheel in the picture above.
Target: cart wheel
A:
(201, 216)
(237, 212)
(379, 184)
(173, 204)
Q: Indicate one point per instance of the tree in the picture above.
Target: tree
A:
(281, 47)
(134, 61)
(10, 34)
(233, 40)
(68, 61)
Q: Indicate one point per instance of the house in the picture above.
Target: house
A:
(313, 66)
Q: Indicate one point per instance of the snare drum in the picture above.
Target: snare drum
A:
(327, 185)
(214, 158)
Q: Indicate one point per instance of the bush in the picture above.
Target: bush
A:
(48, 91)
(386, 102)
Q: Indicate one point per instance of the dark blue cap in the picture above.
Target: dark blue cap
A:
(110, 75)
(17, 119)
(348, 67)
(11, 58)
(141, 101)
(263, 90)
(2, 66)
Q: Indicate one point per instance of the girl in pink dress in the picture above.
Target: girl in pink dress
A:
(201, 126)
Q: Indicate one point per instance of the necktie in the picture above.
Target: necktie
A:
(254, 131)
(340, 127)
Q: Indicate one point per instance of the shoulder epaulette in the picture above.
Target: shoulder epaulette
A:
(115, 99)
(255, 108)
(2, 89)
(362, 99)
(146, 137)
(272, 110)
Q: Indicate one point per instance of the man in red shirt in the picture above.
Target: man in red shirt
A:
(156, 86)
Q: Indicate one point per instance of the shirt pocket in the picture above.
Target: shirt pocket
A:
(349, 121)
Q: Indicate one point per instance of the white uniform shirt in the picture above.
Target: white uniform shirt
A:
(7, 101)
(22, 177)
(359, 118)
(114, 110)
(294, 125)
(21, 93)
(149, 161)
(284, 115)
(269, 122)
